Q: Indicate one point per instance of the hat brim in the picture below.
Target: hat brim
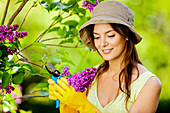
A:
(85, 36)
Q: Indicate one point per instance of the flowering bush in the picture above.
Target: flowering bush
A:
(13, 71)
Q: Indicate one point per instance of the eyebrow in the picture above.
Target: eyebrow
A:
(105, 32)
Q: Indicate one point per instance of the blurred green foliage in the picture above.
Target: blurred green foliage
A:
(152, 22)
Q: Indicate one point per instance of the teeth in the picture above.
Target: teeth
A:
(107, 51)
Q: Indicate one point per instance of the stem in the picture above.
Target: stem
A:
(26, 47)
(31, 96)
(5, 13)
(23, 57)
(32, 63)
(51, 39)
(17, 12)
(27, 14)
(39, 38)
(65, 46)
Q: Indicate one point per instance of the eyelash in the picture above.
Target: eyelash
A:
(110, 36)
(96, 37)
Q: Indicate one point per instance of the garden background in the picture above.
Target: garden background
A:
(61, 47)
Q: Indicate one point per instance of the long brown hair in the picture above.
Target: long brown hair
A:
(130, 60)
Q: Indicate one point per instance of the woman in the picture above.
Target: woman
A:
(122, 83)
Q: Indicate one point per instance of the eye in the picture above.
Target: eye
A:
(110, 36)
(96, 37)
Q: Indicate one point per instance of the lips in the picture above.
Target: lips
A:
(107, 51)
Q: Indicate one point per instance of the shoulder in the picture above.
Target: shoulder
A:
(153, 85)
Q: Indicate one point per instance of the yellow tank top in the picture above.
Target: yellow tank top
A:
(118, 105)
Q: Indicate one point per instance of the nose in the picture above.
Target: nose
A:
(103, 42)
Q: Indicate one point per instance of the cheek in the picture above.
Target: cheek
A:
(96, 43)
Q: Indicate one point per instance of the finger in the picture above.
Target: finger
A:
(58, 95)
(52, 97)
(64, 80)
(50, 81)
(59, 89)
(62, 85)
(50, 92)
(52, 87)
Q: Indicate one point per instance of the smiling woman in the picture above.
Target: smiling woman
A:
(122, 84)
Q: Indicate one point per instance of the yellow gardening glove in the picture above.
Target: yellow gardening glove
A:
(63, 108)
(77, 100)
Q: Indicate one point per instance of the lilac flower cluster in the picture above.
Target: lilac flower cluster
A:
(89, 5)
(81, 81)
(8, 89)
(65, 71)
(9, 35)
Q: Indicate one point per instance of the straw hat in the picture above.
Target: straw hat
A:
(108, 12)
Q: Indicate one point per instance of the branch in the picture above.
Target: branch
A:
(26, 47)
(51, 39)
(17, 12)
(65, 46)
(31, 63)
(27, 14)
(5, 13)
(39, 38)
(31, 96)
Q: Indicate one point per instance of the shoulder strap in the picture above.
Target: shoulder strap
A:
(139, 84)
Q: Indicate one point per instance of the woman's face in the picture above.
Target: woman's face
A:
(108, 42)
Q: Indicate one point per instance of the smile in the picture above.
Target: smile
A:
(107, 51)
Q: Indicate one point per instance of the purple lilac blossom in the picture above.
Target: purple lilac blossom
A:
(10, 35)
(8, 89)
(89, 5)
(81, 81)
(65, 71)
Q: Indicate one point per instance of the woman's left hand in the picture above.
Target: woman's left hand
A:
(67, 95)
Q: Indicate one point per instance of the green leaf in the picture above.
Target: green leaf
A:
(0, 53)
(55, 59)
(36, 56)
(61, 6)
(44, 56)
(45, 5)
(48, 1)
(15, 44)
(67, 60)
(67, 33)
(82, 21)
(61, 32)
(53, 29)
(5, 79)
(29, 68)
(71, 23)
(18, 76)
(56, 18)
(42, 85)
(43, 93)
(70, 40)
(19, 1)
(39, 44)
(44, 73)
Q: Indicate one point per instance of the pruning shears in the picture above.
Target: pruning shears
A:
(55, 75)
